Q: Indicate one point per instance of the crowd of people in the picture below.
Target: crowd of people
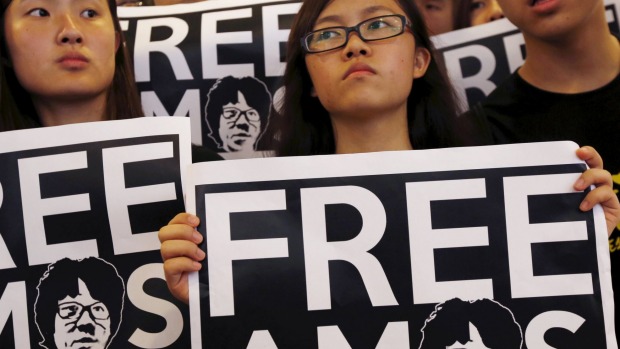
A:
(361, 76)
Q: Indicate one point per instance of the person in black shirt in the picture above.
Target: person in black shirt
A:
(567, 89)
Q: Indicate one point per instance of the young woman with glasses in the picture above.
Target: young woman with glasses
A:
(360, 77)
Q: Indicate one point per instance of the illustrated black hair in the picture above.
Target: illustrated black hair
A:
(449, 323)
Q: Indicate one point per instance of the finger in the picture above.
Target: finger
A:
(179, 232)
(609, 201)
(594, 176)
(181, 248)
(185, 218)
(174, 268)
(175, 272)
(590, 156)
(601, 195)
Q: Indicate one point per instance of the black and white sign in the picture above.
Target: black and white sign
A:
(80, 207)
(377, 250)
(186, 56)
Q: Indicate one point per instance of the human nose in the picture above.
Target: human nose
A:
(496, 11)
(70, 33)
(355, 46)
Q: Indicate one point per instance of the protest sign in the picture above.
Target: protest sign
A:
(192, 59)
(400, 250)
(84, 202)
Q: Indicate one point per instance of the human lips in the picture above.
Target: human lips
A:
(358, 69)
(542, 4)
(73, 60)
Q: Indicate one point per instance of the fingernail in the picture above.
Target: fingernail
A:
(196, 236)
(584, 206)
(580, 183)
(193, 220)
(201, 254)
(197, 266)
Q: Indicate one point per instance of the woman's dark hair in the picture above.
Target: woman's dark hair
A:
(462, 14)
(302, 125)
(16, 108)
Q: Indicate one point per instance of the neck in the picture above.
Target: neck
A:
(371, 133)
(53, 112)
(587, 59)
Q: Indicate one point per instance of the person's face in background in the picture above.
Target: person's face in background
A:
(239, 125)
(438, 15)
(551, 19)
(81, 322)
(485, 11)
(62, 49)
(475, 341)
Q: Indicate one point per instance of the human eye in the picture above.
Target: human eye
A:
(38, 12)
(434, 6)
(324, 35)
(376, 24)
(89, 13)
(382, 24)
(477, 5)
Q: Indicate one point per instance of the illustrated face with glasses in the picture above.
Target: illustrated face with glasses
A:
(376, 28)
(82, 321)
(240, 125)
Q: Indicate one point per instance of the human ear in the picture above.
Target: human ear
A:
(421, 62)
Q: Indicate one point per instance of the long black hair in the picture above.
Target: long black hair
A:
(302, 125)
(16, 108)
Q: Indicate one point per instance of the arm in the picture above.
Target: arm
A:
(180, 253)
(603, 192)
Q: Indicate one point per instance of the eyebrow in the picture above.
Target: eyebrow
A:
(366, 11)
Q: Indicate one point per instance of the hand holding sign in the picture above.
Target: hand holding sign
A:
(180, 253)
(603, 193)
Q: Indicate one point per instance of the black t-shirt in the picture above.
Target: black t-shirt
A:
(519, 112)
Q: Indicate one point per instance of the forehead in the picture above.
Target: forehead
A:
(350, 12)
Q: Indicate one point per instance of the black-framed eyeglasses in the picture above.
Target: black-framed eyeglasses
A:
(376, 28)
(232, 113)
(73, 311)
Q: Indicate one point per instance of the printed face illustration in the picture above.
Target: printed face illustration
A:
(475, 341)
(82, 322)
(240, 125)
